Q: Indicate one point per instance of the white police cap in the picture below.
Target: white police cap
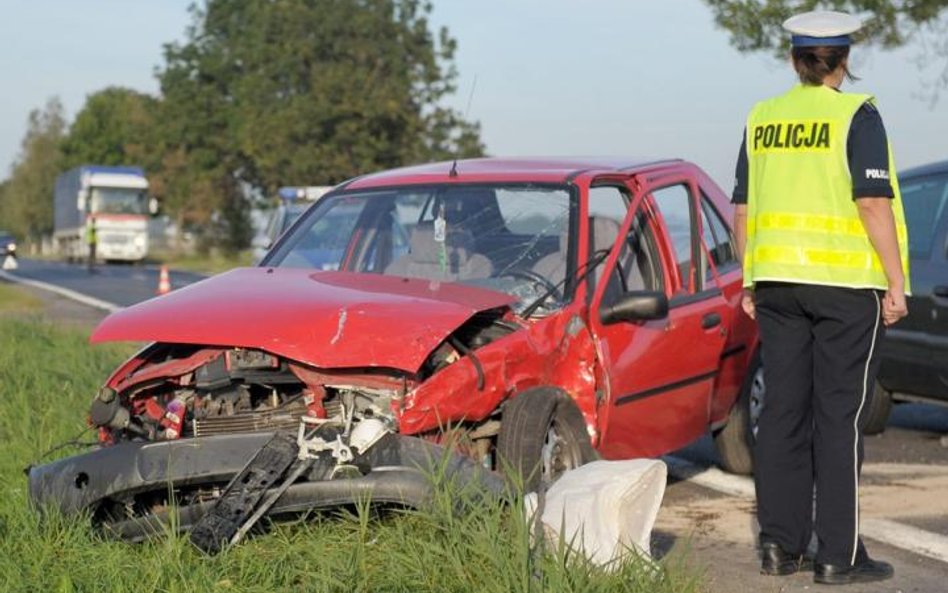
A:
(822, 28)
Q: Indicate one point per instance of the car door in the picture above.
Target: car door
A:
(659, 374)
(915, 351)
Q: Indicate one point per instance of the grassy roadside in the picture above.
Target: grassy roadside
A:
(47, 376)
(14, 300)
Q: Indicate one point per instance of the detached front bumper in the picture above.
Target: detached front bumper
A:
(398, 469)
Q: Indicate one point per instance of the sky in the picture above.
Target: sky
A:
(634, 78)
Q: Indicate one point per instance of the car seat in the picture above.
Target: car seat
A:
(603, 234)
(424, 258)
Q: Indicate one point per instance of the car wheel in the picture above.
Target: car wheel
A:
(542, 435)
(735, 440)
(877, 416)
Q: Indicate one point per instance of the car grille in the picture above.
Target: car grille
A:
(249, 422)
(279, 420)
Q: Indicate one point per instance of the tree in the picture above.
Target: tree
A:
(756, 25)
(316, 91)
(114, 127)
(26, 203)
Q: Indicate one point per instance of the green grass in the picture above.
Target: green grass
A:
(47, 377)
(16, 300)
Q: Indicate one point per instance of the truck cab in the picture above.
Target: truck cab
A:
(115, 200)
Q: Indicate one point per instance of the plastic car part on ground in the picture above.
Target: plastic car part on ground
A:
(604, 509)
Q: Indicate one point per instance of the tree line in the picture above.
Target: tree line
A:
(259, 94)
(263, 93)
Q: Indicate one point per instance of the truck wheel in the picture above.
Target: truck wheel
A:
(542, 435)
(735, 440)
(877, 416)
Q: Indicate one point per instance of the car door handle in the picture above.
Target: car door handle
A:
(710, 320)
(941, 291)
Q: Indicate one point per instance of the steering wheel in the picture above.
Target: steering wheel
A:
(546, 283)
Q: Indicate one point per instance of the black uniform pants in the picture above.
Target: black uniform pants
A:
(820, 349)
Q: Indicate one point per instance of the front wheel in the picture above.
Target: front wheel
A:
(735, 440)
(542, 435)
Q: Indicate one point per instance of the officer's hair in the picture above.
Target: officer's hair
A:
(813, 64)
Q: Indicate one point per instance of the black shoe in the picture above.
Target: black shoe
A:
(774, 561)
(866, 570)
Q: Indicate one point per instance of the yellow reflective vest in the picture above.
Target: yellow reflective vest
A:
(91, 233)
(802, 223)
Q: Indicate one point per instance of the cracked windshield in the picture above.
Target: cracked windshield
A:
(506, 238)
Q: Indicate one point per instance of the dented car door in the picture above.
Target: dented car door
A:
(660, 372)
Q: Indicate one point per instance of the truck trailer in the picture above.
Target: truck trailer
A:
(117, 198)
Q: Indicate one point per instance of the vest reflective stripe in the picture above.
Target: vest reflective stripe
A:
(803, 225)
(816, 223)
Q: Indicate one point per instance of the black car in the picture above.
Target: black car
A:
(915, 351)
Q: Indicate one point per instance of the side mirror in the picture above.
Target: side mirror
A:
(638, 305)
(81, 200)
(153, 206)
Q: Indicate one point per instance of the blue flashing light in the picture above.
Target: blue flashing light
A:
(289, 193)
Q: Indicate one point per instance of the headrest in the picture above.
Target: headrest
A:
(603, 232)
(424, 249)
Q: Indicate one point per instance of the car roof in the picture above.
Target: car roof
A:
(520, 169)
(927, 169)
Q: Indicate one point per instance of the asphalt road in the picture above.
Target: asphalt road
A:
(707, 516)
(121, 285)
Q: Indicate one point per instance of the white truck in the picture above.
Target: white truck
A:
(116, 198)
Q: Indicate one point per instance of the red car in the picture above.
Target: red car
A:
(542, 313)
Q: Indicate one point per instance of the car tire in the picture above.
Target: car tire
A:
(877, 416)
(542, 434)
(735, 440)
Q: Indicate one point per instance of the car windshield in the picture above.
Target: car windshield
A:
(119, 200)
(510, 238)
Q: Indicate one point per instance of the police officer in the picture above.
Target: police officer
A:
(92, 241)
(819, 222)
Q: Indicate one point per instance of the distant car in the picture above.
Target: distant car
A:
(915, 351)
(293, 203)
(7, 244)
(548, 312)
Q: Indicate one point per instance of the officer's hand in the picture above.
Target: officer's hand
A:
(893, 306)
(747, 303)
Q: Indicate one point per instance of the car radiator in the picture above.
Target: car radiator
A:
(275, 420)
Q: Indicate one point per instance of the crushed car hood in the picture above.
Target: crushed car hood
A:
(326, 319)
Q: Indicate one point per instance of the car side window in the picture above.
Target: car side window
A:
(717, 238)
(675, 205)
(608, 201)
(639, 265)
(608, 206)
(926, 203)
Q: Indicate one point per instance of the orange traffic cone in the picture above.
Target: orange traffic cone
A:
(164, 283)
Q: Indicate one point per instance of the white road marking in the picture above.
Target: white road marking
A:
(65, 292)
(913, 539)
(899, 535)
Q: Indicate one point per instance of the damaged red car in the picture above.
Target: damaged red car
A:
(530, 314)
